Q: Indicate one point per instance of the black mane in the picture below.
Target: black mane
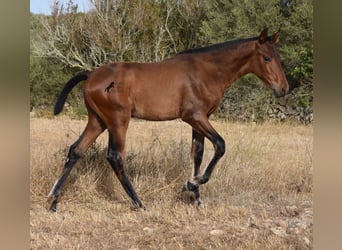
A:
(217, 46)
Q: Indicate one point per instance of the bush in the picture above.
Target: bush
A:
(47, 78)
(118, 30)
(227, 20)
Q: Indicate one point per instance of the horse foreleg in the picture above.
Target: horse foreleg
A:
(197, 150)
(219, 146)
(203, 127)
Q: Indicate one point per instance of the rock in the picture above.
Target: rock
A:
(216, 232)
(307, 241)
(281, 223)
(148, 229)
(278, 231)
(292, 210)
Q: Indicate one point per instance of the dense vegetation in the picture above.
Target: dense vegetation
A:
(68, 41)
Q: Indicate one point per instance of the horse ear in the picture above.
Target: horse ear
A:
(275, 37)
(263, 36)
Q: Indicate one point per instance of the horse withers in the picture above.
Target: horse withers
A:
(189, 86)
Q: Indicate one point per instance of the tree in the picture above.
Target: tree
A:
(117, 30)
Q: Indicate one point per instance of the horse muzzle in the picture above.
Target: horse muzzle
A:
(281, 91)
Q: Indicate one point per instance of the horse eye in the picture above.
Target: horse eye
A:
(267, 58)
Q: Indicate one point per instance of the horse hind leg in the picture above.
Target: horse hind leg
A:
(55, 191)
(116, 157)
(76, 151)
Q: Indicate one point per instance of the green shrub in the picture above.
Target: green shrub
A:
(118, 30)
(226, 20)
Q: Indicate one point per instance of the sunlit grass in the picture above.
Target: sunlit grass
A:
(259, 196)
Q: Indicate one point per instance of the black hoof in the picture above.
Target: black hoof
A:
(142, 207)
(190, 194)
(138, 205)
(199, 202)
(190, 187)
(53, 207)
(53, 203)
(188, 197)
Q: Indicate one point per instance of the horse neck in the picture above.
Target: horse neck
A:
(232, 63)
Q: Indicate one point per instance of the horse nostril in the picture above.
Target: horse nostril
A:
(283, 90)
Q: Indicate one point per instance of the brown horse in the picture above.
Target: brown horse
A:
(188, 85)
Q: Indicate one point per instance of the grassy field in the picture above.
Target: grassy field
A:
(259, 196)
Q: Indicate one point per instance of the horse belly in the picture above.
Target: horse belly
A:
(156, 106)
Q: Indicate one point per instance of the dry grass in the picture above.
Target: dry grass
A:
(259, 197)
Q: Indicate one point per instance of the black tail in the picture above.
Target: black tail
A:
(67, 88)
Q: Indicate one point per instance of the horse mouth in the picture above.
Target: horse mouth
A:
(279, 92)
